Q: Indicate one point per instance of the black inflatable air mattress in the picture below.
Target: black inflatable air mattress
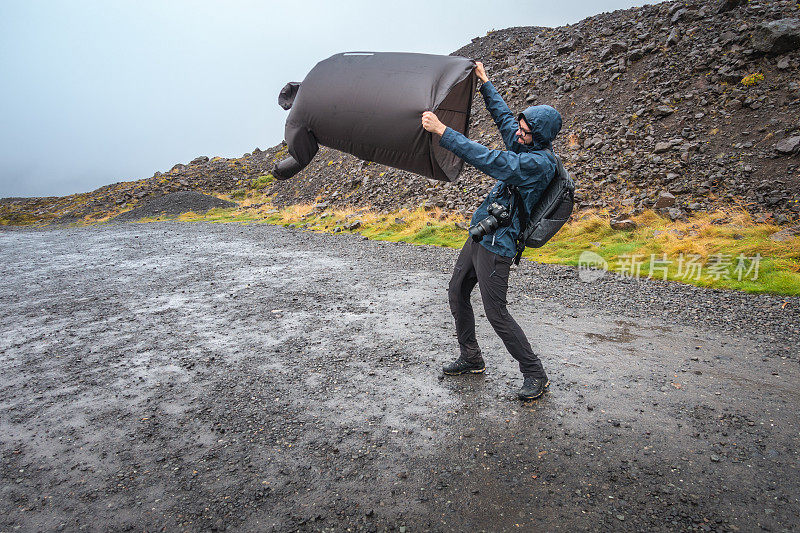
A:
(370, 104)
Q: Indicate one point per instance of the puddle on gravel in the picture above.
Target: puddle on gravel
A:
(407, 423)
(621, 334)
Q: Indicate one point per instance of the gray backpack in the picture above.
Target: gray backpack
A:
(550, 213)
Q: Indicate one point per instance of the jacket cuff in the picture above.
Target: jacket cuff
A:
(487, 87)
(447, 138)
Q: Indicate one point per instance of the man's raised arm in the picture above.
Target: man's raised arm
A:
(502, 165)
(497, 107)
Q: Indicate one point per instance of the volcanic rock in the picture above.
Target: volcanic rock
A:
(788, 145)
(786, 234)
(777, 36)
(613, 49)
(665, 199)
(662, 147)
(727, 5)
(624, 224)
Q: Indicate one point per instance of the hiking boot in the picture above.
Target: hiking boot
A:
(462, 366)
(533, 387)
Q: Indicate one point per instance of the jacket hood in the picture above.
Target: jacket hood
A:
(545, 123)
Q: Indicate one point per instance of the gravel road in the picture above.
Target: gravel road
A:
(257, 378)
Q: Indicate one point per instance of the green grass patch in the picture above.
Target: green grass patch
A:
(704, 240)
(262, 182)
(214, 216)
(736, 255)
(20, 219)
(219, 215)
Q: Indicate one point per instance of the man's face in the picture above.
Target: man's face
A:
(524, 135)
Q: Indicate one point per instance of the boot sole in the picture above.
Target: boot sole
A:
(528, 398)
(481, 371)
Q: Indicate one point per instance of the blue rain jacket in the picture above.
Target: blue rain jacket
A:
(528, 167)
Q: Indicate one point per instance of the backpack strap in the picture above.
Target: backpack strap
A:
(523, 222)
(524, 215)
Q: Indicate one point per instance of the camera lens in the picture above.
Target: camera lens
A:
(476, 232)
(489, 224)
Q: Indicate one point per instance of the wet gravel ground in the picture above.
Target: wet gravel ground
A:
(257, 378)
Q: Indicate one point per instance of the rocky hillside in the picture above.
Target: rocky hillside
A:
(212, 175)
(694, 99)
(685, 106)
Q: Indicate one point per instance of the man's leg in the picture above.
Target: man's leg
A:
(492, 271)
(459, 291)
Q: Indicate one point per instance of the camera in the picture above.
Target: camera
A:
(498, 216)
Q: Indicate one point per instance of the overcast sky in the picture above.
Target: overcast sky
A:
(95, 92)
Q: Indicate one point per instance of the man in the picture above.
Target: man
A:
(527, 165)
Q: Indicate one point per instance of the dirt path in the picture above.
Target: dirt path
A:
(257, 378)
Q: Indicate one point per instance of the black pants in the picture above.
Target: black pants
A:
(477, 265)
